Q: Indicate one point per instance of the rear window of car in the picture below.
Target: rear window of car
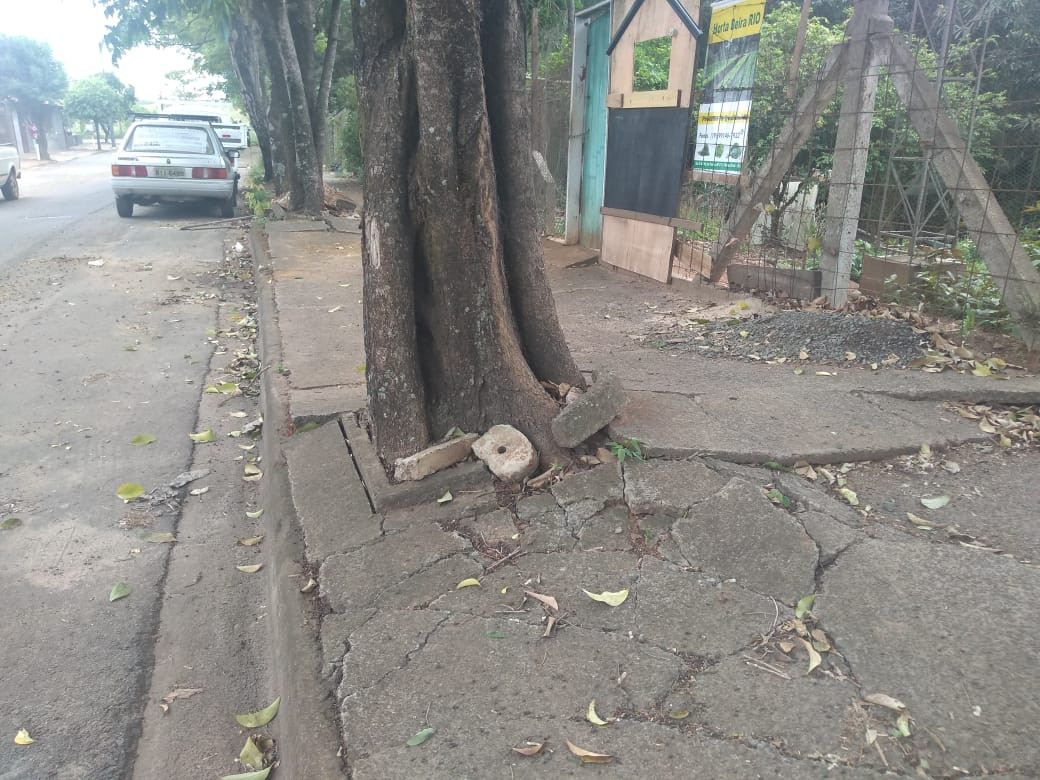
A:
(169, 138)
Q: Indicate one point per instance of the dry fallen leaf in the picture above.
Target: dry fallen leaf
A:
(814, 657)
(252, 568)
(23, 738)
(469, 582)
(884, 700)
(178, 693)
(260, 718)
(549, 601)
(587, 756)
(530, 748)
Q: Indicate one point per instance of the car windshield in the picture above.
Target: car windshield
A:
(169, 139)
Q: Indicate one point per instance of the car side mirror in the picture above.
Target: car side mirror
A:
(234, 153)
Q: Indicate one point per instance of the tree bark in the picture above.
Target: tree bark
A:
(244, 44)
(328, 65)
(459, 320)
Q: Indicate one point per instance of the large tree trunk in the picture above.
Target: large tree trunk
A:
(328, 65)
(244, 44)
(459, 321)
(305, 181)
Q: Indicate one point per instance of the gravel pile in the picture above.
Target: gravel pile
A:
(826, 337)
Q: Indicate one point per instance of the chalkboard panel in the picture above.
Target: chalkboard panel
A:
(645, 150)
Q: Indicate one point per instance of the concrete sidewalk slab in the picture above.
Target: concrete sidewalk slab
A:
(704, 665)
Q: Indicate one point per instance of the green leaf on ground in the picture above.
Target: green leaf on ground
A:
(250, 756)
(128, 491)
(10, 523)
(261, 775)
(611, 598)
(469, 582)
(203, 437)
(119, 590)
(157, 537)
(849, 495)
(495, 634)
(23, 738)
(254, 515)
(804, 605)
(935, 502)
(420, 737)
(593, 717)
(445, 498)
(260, 718)
(779, 498)
(310, 425)
(142, 439)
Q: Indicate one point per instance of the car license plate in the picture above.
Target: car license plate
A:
(169, 173)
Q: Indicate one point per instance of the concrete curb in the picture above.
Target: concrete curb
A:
(307, 729)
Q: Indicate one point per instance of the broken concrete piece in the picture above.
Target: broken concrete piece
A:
(507, 453)
(585, 415)
(433, 459)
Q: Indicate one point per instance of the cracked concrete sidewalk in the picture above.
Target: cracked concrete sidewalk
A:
(705, 666)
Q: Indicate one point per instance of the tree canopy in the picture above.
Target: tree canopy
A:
(30, 74)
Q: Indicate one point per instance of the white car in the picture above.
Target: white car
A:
(164, 161)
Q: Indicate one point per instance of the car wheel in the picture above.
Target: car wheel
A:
(124, 207)
(227, 207)
(10, 189)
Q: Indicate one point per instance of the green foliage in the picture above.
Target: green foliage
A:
(627, 448)
(94, 99)
(651, 64)
(344, 105)
(968, 295)
(255, 195)
(29, 72)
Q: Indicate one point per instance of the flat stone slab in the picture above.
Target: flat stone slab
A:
(336, 517)
(806, 715)
(586, 493)
(950, 632)
(737, 533)
(365, 576)
(668, 487)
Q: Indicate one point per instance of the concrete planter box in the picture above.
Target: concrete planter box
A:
(794, 282)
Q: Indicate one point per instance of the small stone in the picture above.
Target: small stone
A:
(585, 415)
(605, 455)
(433, 459)
(507, 453)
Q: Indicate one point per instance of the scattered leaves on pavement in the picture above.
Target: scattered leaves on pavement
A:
(588, 756)
(250, 541)
(119, 590)
(203, 437)
(421, 736)
(251, 568)
(177, 693)
(260, 718)
(143, 438)
(610, 598)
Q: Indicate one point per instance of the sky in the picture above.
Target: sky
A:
(74, 29)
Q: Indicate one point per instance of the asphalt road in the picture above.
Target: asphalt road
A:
(110, 328)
